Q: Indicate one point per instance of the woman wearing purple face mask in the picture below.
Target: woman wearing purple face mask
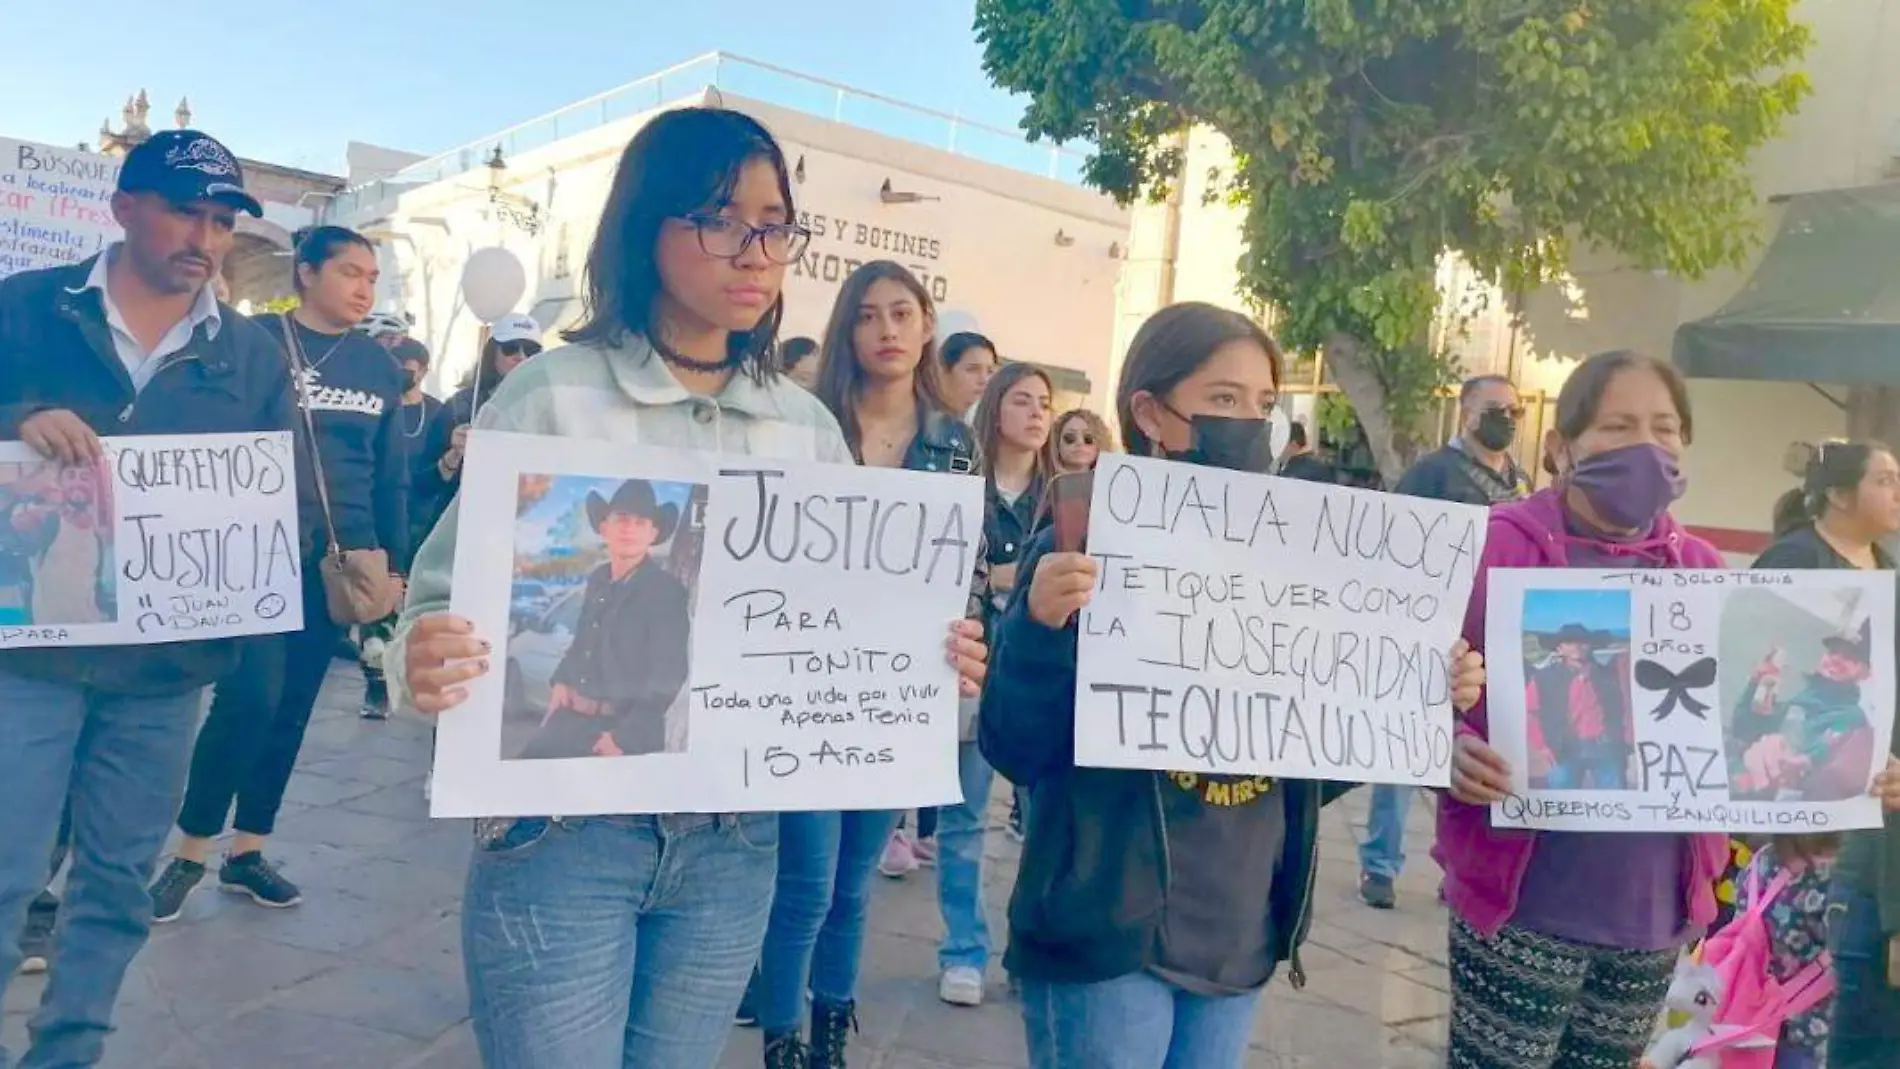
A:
(1563, 943)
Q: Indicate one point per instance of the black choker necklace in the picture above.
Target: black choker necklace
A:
(705, 367)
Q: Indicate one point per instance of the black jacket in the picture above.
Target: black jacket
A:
(1094, 877)
(632, 651)
(1449, 474)
(56, 351)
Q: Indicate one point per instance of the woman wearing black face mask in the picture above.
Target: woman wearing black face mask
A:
(1137, 939)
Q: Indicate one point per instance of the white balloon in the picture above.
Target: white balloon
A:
(493, 282)
(1281, 422)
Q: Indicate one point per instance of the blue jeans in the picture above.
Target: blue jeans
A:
(123, 761)
(966, 931)
(817, 930)
(1866, 1021)
(615, 942)
(1134, 1022)
(1383, 851)
(1597, 765)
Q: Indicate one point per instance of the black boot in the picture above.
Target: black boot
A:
(831, 1027)
(786, 1052)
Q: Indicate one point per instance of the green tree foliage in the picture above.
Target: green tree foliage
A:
(1371, 136)
(277, 306)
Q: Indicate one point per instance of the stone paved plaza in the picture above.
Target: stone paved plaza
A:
(365, 974)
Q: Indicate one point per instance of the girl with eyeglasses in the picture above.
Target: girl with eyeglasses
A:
(1081, 437)
(625, 942)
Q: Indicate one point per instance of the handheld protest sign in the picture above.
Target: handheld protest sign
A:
(684, 632)
(1734, 701)
(169, 538)
(1248, 624)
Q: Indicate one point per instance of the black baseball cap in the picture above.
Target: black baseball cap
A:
(410, 349)
(185, 166)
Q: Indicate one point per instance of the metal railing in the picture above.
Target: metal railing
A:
(741, 77)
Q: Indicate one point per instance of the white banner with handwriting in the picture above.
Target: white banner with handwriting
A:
(687, 632)
(55, 205)
(1737, 701)
(167, 538)
(1248, 624)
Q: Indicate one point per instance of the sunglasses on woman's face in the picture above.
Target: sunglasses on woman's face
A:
(521, 349)
(1072, 438)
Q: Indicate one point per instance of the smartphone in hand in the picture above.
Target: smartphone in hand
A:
(1071, 495)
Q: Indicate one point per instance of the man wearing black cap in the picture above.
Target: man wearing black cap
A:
(131, 342)
(631, 654)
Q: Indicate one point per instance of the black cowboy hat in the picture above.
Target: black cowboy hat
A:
(635, 497)
(1575, 633)
(1859, 646)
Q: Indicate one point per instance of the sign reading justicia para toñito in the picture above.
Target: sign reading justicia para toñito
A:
(55, 205)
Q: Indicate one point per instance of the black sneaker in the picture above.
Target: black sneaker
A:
(375, 696)
(1377, 891)
(831, 1028)
(786, 1052)
(36, 940)
(250, 874)
(169, 890)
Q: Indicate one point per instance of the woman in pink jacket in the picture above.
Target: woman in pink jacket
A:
(1563, 943)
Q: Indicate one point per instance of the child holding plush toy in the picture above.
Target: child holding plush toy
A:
(1797, 933)
(1758, 994)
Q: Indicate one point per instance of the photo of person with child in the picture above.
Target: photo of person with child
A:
(1814, 744)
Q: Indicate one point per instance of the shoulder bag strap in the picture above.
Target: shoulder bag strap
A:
(293, 347)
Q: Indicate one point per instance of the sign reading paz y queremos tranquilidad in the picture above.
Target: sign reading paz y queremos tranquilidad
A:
(688, 632)
(1246, 624)
(1647, 700)
(165, 539)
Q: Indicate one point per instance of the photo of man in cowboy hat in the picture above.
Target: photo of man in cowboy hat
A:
(630, 658)
(1578, 708)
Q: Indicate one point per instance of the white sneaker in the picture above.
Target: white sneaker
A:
(961, 985)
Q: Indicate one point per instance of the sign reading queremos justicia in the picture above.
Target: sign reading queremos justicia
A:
(840, 245)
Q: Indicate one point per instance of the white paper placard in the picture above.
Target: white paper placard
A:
(1738, 701)
(55, 205)
(168, 538)
(1256, 625)
(817, 599)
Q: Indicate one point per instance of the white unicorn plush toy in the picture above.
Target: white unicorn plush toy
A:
(1696, 994)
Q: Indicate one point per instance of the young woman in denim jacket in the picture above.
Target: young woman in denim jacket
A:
(619, 942)
(880, 377)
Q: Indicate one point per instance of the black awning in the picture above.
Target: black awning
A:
(1823, 306)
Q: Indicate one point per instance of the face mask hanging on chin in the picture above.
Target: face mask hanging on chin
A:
(1234, 444)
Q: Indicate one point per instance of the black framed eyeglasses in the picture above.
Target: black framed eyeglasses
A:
(728, 239)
